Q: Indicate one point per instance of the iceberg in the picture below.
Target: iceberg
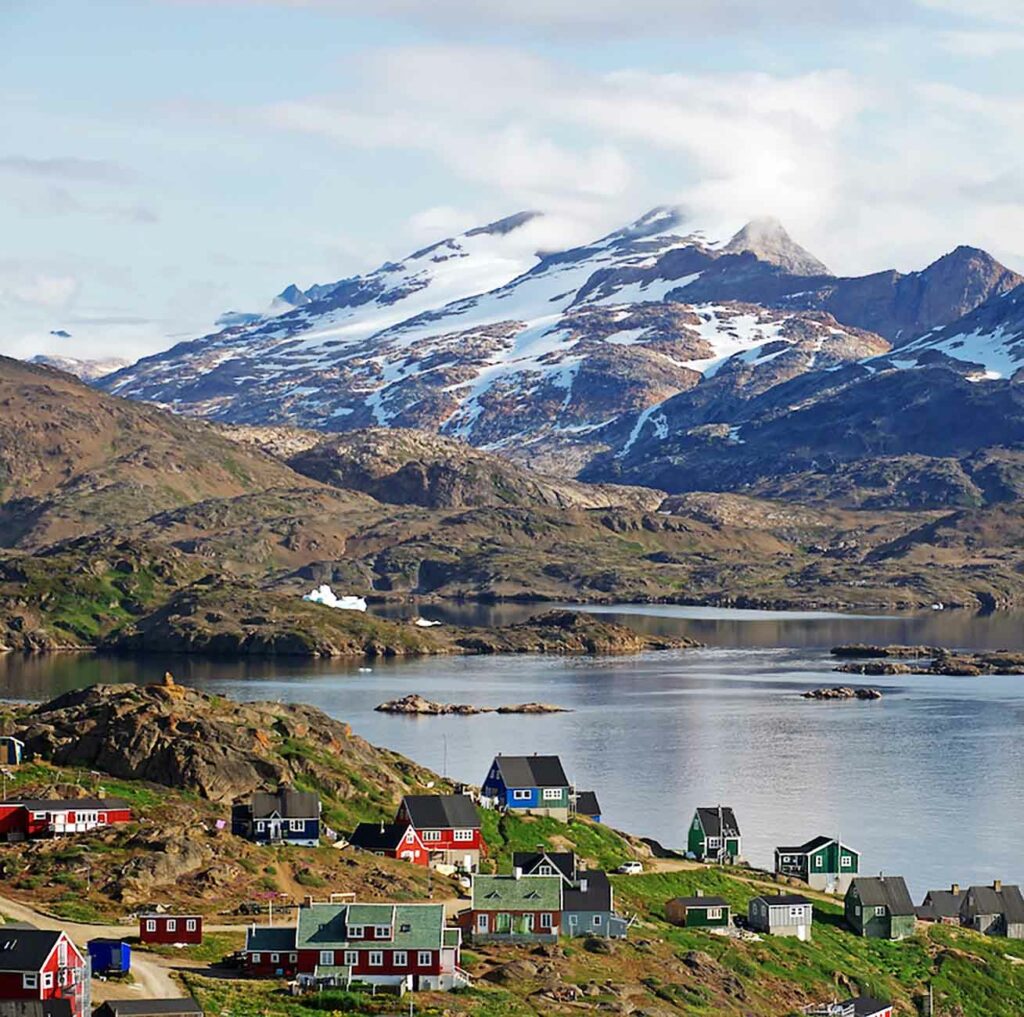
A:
(326, 596)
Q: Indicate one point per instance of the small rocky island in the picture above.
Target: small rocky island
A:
(842, 692)
(416, 705)
(889, 660)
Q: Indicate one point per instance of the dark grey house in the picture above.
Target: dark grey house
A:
(588, 907)
(285, 816)
(942, 906)
(880, 907)
(995, 910)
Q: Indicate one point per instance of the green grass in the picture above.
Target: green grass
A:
(214, 947)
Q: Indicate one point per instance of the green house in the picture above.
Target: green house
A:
(714, 835)
(880, 907)
(698, 912)
(823, 863)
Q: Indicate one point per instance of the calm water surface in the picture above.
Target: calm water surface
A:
(925, 782)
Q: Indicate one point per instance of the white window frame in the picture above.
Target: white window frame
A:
(880, 911)
(714, 913)
(797, 911)
(552, 794)
(30, 980)
(430, 835)
(482, 922)
(355, 932)
(463, 835)
(47, 979)
(351, 958)
(296, 825)
(150, 925)
(382, 932)
(424, 959)
(327, 958)
(376, 958)
(846, 861)
(546, 920)
(275, 958)
(293, 958)
(172, 925)
(254, 958)
(598, 921)
(522, 795)
(819, 862)
(400, 958)
(714, 842)
(191, 925)
(529, 921)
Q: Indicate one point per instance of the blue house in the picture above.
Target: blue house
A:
(536, 785)
(11, 750)
(110, 956)
(585, 803)
(285, 816)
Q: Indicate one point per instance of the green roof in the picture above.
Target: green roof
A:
(332, 971)
(528, 893)
(325, 926)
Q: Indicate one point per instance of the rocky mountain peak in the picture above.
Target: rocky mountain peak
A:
(767, 239)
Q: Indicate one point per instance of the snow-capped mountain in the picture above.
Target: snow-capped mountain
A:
(87, 370)
(557, 356)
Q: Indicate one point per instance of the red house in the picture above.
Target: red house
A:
(29, 818)
(40, 965)
(390, 840)
(448, 827)
(173, 930)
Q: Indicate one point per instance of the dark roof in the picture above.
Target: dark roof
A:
(529, 861)
(596, 897)
(941, 904)
(532, 771)
(1005, 901)
(442, 811)
(865, 1006)
(24, 949)
(35, 1008)
(783, 899)
(814, 844)
(287, 803)
(147, 1007)
(712, 828)
(701, 902)
(270, 938)
(59, 804)
(587, 804)
(378, 836)
(887, 891)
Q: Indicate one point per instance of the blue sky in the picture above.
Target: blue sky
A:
(165, 161)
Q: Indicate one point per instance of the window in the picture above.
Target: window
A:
(296, 825)
(355, 932)
(431, 835)
(39, 815)
(150, 925)
(410, 835)
(552, 794)
(30, 980)
(400, 958)
(796, 912)
(424, 958)
(880, 911)
(546, 870)
(255, 958)
(292, 958)
(714, 912)
(47, 979)
(597, 921)
(382, 932)
(714, 842)
(528, 919)
(463, 835)
(846, 862)
(819, 862)
(275, 958)
(376, 958)
(351, 958)
(190, 925)
(327, 957)
(259, 826)
(545, 920)
(522, 795)
(172, 925)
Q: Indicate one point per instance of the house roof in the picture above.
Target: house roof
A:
(709, 820)
(146, 1007)
(941, 904)
(888, 891)
(531, 771)
(287, 803)
(587, 803)
(35, 1008)
(1005, 901)
(865, 1006)
(378, 836)
(442, 811)
(269, 938)
(814, 844)
(25, 949)
(67, 804)
(700, 902)
(529, 893)
(529, 861)
(596, 897)
(325, 926)
(783, 899)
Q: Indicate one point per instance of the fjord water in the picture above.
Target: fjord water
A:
(925, 782)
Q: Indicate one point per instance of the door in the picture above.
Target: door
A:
(482, 923)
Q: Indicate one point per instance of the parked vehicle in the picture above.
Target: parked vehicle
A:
(630, 869)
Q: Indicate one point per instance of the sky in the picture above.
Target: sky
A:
(165, 161)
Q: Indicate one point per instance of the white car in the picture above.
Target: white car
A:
(630, 869)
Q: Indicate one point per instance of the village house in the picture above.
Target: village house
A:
(42, 965)
(35, 1008)
(270, 952)
(514, 909)
(404, 946)
(390, 840)
(448, 827)
(12, 751)
(823, 863)
(30, 818)
(714, 836)
(535, 785)
(699, 912)
(285, 816)
(186, 1006)
(941, 906)
(861, 1006)
(782, 914)
(880, 907)
(171, 930)
(996, 910)
(585, 804)
(546, 863)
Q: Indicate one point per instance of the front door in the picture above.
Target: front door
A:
(482, 923)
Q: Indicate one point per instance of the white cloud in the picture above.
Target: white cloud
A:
(39, 289)
(982, 44)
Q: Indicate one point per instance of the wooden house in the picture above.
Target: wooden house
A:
(880, 907)
(941, 906)
(40, 965)
(714, 835)
(699, 912)
(515, 909)
(391, 840)
(996, 910)
(270, 952)
(448, 826)
(172, 930)
(585, 803)
(823, 863)
(782, 914)
(285, 816)
(535, 785)
(30, 818)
